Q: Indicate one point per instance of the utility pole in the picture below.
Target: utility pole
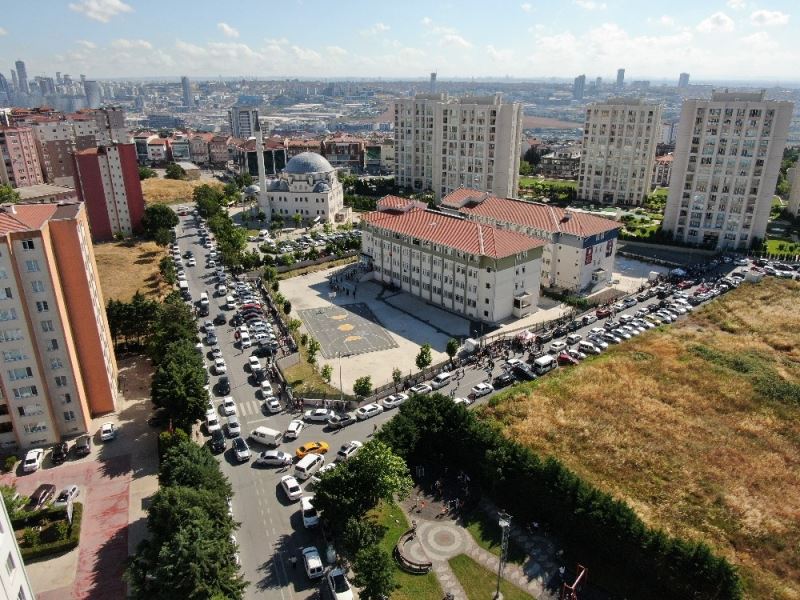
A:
(504, 520)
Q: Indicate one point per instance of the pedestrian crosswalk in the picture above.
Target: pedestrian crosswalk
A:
(249, 408)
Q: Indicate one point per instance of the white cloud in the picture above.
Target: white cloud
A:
(717, 22)
(3, 31)
(227, 30)
(499, 54)
(335, 51)
(306, 54)
(526, 7)
(86, 44)
(591, 4)
(375, 29)
(453, 39)
(426, 21)
(768, 18)
(761, 41)
(737, 4)
(101, 10)
(124, 44)
(666, 21)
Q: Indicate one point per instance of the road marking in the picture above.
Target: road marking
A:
(261, 420)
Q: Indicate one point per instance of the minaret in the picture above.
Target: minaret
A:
(263, 201)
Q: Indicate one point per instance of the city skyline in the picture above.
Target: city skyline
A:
(116, 39)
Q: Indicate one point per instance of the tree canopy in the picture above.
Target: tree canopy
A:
(8, 195)
(156, 218)
(175, 171)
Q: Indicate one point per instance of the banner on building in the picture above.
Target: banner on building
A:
(588, 260)
(609, 248)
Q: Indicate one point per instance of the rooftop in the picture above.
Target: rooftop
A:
(24, 217)
(308, 162)
(42, 189)
(453, 232)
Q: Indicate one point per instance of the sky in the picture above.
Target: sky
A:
(710, 39)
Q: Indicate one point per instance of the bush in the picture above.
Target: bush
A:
(63, 544)
(9, 462)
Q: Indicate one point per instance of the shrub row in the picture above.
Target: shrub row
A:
(58, 546)
(603, 533)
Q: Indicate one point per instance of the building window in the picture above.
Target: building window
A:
(69, 415)
(5, 293)
(56, 363)
(20, 373)
(61, 381)
(47, 326)
(28, 245)
(21, 594)
(13, 355)
(10, 566)
(42, 306)
(38, 286)
(10, 335)
(53, 345)
(32, 266)
(8, 314)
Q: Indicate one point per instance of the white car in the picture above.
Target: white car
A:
(191, 262)
(368, 411)
(557, 347)
(108, 431)
(212, 423)
(228, 406)
(313, 563)
(216, 352)
(33, 460)
(291, 488)
(318, 415)
(315, 479)
(482, 389)
(338, 585)
(234, 427)
(266, 389)
(220, 368)
(348, 450)
(420, 389)
(274, 458)
(64, 496)
(241, 449)
(394, 400)
(514, 362)
(255, 364)
(464, 401)
(273, 405)
(309, 513)
(294, 429)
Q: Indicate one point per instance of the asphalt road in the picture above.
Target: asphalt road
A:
(271, 527)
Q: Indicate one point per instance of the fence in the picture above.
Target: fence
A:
(319, 261)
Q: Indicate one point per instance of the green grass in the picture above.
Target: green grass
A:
(480, 583)
(307, 381)
(774, 246)
(486, 533)
(412, 587)
(530, 181)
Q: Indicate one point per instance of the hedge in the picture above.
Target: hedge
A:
(601, 532)
(59, 546)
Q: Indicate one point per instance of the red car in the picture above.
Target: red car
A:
(565, 359)
(602, 313)
(686, 283)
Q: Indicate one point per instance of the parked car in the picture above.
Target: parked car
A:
(108, 431)
(503, 380)
(338, 585)
(557, 347)
(523, 372)
(254, 363)
(223, 385)
(241, 450)
(68, 493)
(318, 415)
(219, 366)
(228, 406)
(294, 429)
(313, 563)
(273, 405)
(212, 423)
(59, 453)
(308, 512)
(420, 389)
(291, 488)
(274, 458)
(217, 442)
(348, 450)
(33, 460)
(40, 496)
(234, 427)
(83, 445)
(368, 411)
(574, 338)
(312, 448)
(481, 389)
(394, 400)
(341, 420)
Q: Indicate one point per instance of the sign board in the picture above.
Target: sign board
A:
(69, 511)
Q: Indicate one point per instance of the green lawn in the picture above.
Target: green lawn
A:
(412, 587)
(486, 533)
(479, 583)
(307, 381)
(774, 246)
(529, 181)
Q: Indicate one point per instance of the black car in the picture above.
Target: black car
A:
(237, 320)
(523, 373)
(83, 445)
(217, 441)
(41, 496)
(341, 420)
(263, 352)
(188, 254)
(223, 385)
(220, 319)
(560, 331)
(503, 380)
(60, 453)
(545, 336)
(202, 311)
(574, 325)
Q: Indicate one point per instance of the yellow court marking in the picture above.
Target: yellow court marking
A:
(352, 338)
(338, 317)
(345, 327)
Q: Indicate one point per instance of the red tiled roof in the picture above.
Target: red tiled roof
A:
(453, 232)
(25, 217)
(158, 142)
(398, 203)
(529, 214)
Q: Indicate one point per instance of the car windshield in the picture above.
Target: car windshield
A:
(62, 497)
(340, 583)
(310, 511)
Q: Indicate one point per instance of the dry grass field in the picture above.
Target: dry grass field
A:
(171, 191)
(697, 427)
(126, 267)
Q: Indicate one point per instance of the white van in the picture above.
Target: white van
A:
(183, 285)
(263, 235)
(244, 340)
(308, 465)
(230, 302)
(441, 380)
(204, 299)
(543, 364)
(266, 436)
(588, 348)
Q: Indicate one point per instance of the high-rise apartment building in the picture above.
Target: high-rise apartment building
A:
(15, 80)
(22, 78)
(107, 180)
(20, 165)
(93, 94)
(727, 157)
(186, 88)
(14, 581)
(793, 175)
(578, 87)
(432, 89)
(620, 78)
(442, 144)
(619, 150)
(683, 80)
(58, 361)
(243, 121)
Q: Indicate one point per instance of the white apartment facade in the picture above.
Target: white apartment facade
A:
(793, 175)
(619, 150)
(726, 162)
(662, 171)
(478, 271)
(442, 144)
(579, 248)
(243, 121)
(14, 581)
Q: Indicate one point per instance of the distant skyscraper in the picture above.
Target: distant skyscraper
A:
(187, 91)
(578, 87)
(598, 82)
(243, 121)
(59, 81)
(5, 89)
(683, 80)
(92, 90)
(14, 80)
(22, 76)
(433, 83)
(620, 78)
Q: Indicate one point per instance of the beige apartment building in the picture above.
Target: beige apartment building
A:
(19, 160)
(442, 144)
(619, 151)
(58, 367)
(726, 162)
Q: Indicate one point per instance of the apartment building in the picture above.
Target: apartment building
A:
(619, 150)
(45, 192)
(662, 170)
(179, 148)
(14, 581)
(442, 144)
(219, 152)
(275, 156)
(58, 362)
(107, 180)
(579, 247)
(344, 151)
(198, 147)
(20, 166)
(243, 121)
(793, 175)
(562, 162)
(157, 150)
(726, 162)
(479, 271)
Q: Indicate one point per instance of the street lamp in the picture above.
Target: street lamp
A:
(504, 520)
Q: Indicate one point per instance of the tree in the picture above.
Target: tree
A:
(374, 573)
(532, 156)
(146, 173)
(424, 358)
(358, 534)
(158, 217)
(287, 307)
(178, 384)
(167, 269)
(175, 171)
(327, 373)
(172, 505)
(294, 324)
(298, 219)
(452, 347)
(13, 501)
(8, 195)
(363, 386)
(525, 168)
(313, 348)
(270, 274)
(188, 465)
